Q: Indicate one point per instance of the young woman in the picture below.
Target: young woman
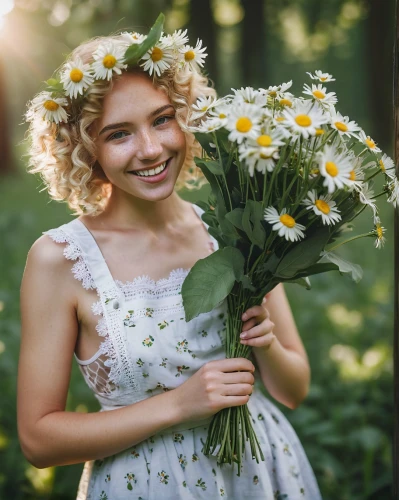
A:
(105, 288)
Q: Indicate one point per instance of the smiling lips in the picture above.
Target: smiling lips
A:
(152, 171)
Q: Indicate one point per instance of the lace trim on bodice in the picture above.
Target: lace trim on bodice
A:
(103, 373)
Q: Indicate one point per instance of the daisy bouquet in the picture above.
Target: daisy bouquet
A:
(287, 175)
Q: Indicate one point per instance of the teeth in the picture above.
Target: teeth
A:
(153, 171)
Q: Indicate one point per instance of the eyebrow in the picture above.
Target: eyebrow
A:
(114, 126)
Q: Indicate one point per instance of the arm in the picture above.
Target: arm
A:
(51, 436)
(278, 350)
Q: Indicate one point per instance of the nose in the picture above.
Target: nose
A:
(149, 146)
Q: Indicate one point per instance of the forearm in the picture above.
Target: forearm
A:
(62, 438)
(284, 373)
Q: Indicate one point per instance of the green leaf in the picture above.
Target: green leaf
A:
(305, 282)
(212, 165)
(246, 283)
(203, 205)
(129, 486)
(205, 141)
(136, 51)
(344, 266)
(305, 253)
(235, 217)
(251, 222)
(211, 280)
(317, 269)
(54, 85)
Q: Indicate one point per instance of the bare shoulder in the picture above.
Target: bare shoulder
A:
(48, 269)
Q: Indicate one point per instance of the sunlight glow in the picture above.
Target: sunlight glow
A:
(6, 6)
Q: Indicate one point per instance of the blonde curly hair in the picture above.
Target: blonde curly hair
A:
(64, 154)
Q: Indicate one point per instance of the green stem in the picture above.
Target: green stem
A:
(364, 235)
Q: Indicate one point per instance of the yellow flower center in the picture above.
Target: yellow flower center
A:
(382, 165)
(265, 157)
(370, 143)
(222, 115)
(323, 78)
(320, 131)
(51, 105)
(380, 232)
(341, 126)
(156, 54)
(303, 120)
(352, 175)
(287, 220)
(243, 125)
(331, 168)
(319, 94)
(272, 93)
(315, 171)
(286, 102)
(264, 140)
(76, 75)
(109, 61)
(322, 206)
(280, 119)
(189, 55)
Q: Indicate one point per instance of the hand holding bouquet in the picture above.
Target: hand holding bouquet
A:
(288, 175)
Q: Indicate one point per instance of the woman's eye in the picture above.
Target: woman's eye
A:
(117, 135)
(163, 119)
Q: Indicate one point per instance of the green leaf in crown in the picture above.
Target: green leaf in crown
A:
(136, 51)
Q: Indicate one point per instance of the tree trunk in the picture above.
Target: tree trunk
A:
(253, 51)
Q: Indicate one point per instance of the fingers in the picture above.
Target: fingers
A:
(259, 311)
(262, 341)
(230, 365)
(236, 401)
(236, 389)
(238, 378)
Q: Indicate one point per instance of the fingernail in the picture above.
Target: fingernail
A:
(243, 335)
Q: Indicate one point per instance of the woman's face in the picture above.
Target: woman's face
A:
(139, 143)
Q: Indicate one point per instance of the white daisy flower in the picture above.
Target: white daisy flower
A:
(304, 119)
(366, 194)
(335, 167)
(393, 189)
(76, 77)
(250, 96)
(244, 122)
(209, 125)
(194, 56)
(48, 108)
(108, 58)
(278, 91)
(287, 100)
(322, 77)
(158, 59)
(284, 224)
(387, 166)
(132, 38)
(203, 105)
(262, 152)
(368, 141)
(323, 206)
(319, 93)
(221, 112)
(379, 233)
(176, 40)
(343, 125)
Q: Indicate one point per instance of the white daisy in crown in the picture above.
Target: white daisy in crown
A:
(76, 77)
(368, 141)
(284, 223)
(343, 124)
(158, 59)
(304, 119)
(244, 122)
(48, 108)
(319, 93)
(323, 206)
(176, 40)
(322, 77)
(193, 56)
(108, 59)
(335, 167)
(132, 38)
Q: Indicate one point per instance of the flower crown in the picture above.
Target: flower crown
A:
(155, 53)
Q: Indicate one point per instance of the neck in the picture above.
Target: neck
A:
(126, 211)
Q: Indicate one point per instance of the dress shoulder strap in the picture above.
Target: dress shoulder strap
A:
(212, 239)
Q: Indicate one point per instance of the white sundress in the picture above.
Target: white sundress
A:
(148, 348)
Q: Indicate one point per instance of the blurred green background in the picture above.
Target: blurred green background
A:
(346, 422)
